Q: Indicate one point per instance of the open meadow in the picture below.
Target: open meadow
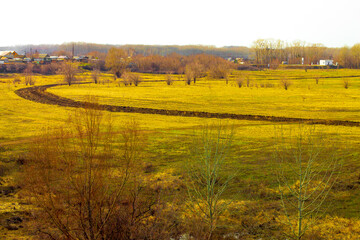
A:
(255, 209)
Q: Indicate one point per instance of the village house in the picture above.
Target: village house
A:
(54, 58)
(326, 62)
(42, 58)
(5, 56)
(81, 58)
(62, 58)
(8, 54)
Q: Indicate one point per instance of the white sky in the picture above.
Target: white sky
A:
(180, 22)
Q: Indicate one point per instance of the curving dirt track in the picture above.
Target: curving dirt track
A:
(40, 95)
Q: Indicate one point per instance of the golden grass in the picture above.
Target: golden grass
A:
(170, 136)
(304, 98)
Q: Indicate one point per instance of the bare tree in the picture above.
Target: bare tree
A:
(131, 78)
(194, 70)
(117, 61)
(29, 75)
(206, 182)
(95, 74)
(285, 83)
(188, 76)
(76, 182)
(69, 70)
(306, 171)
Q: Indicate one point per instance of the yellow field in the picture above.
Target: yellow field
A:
(304, 99)
(169, 136)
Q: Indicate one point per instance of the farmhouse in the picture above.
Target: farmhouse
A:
(62, 58)
(81, 58)
(8, 54)
(326, 62)
(41, 58)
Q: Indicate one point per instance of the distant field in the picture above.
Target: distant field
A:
(304, 99)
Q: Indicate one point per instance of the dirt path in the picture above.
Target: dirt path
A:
(40, 95)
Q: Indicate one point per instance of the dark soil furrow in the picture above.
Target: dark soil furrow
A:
(39, 94)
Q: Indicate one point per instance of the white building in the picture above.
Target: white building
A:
(326, 62)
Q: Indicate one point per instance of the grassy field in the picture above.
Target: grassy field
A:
(170, 137)
(304, 99)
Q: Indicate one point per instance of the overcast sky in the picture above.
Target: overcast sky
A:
(180, 22)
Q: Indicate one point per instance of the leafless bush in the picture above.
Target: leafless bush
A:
(346, 83)
(247, 80)
(30, 80)
(219, 71)
(95, 74)
(29, 74)
(240, 82)
(189, 75)
(317, 80)
(169, 80)
(135, 79)
(267, 85)
(84, 189)
(16, 81)
(285, 83)
(49, 69)
(131, 78)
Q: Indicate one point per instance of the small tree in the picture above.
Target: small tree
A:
(75, 181)
(29, 78)
(306, 171)
(135, 79)
(206, 182)
(189, 75)
(131, 78)
(117, 61)
(194, 70)
(69, 71)
(285, 83)
(219, 71)
(95, 74)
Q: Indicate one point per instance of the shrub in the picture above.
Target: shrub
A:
(317, 80)
(285, 83)
(95, 75)
(239, 82)
(16, 81)
(346, 83)
(131, 78)
(169, 80)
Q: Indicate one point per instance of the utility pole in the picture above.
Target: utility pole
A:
(73, 50)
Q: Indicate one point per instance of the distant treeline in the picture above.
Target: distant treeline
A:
(273, 52)
(263, 52)
(81, 48)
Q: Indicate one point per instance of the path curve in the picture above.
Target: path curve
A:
(40, 95)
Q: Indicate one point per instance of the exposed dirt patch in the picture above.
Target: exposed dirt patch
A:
(39, 94)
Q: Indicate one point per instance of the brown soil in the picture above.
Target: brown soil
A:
(40, 95)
